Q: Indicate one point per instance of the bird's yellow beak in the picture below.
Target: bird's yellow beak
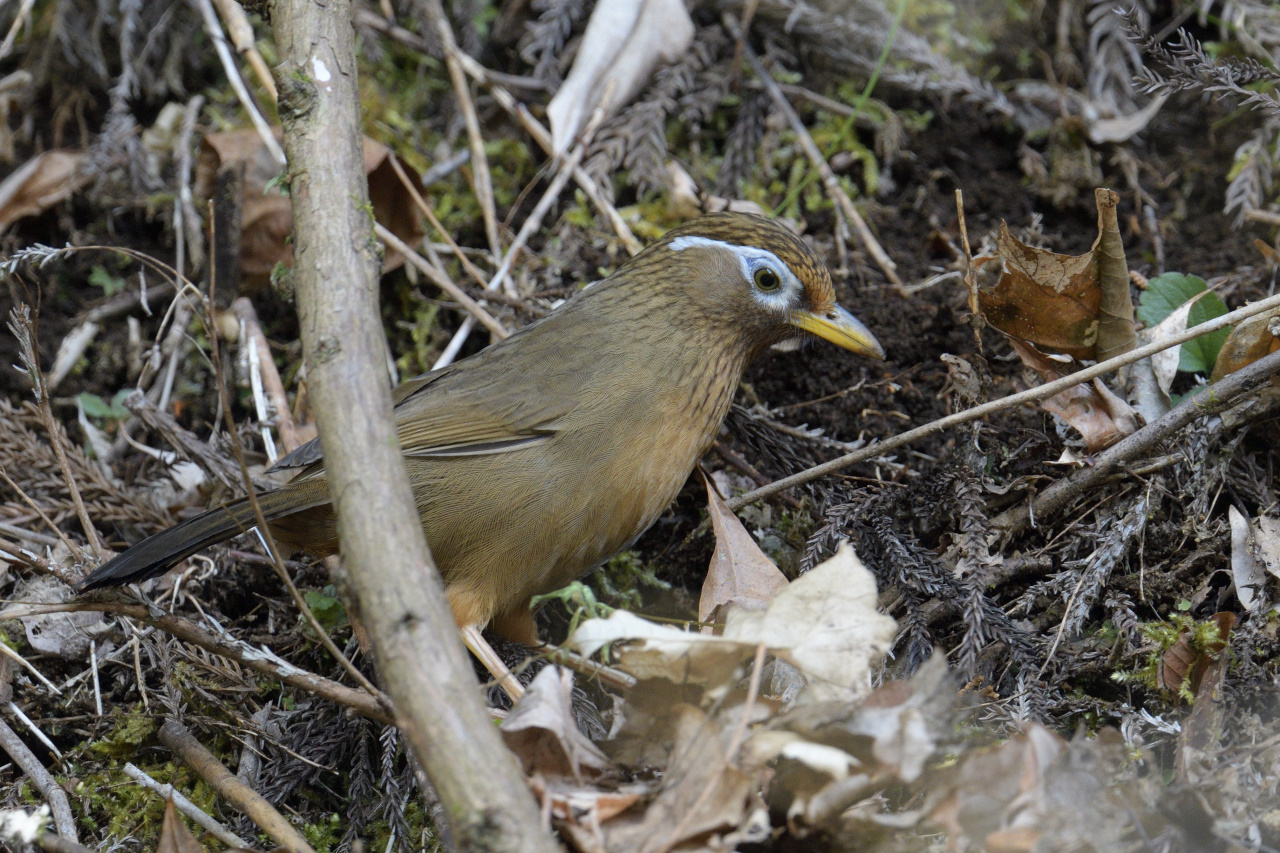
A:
(840, 328)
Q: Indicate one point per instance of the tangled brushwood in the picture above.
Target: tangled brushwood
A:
(1051, 627)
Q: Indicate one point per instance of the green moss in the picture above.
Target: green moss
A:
(1203, 637)
(131, 731)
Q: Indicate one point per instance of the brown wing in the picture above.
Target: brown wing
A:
(489, 403)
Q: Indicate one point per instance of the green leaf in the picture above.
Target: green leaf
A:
(110, 284)
(327, 607)
(96, 407)
(1165, 293)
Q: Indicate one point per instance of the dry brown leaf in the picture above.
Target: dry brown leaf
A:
(1074, 304)
(1183, 665)
(39, 184)
(267, 218)
(624, 41)
(740, 574)
(997, 792)
(1101, 417)
(701, 793)
(1048, 299)
(174, 835)
(542, 733)
(1248, 342)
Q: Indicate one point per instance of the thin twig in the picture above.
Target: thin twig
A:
(264, 529)
(241, 32)
(188, 808)
(829, 180)
(531, 224)
(289, 440)
(474, 309)
(231, 789)
(1209, 401)
(422, 205)
(482, 182)
(542, 136)
(261, 660)
(75, 551)
(63, 820)
(214, 31)
(1029, 396)
(23, 327)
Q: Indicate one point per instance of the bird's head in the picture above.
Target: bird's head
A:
(750, 277)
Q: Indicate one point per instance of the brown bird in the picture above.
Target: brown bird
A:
(538, 458)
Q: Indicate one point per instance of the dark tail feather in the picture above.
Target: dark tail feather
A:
(157, 554)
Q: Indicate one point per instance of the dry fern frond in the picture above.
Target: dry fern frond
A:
(636, 139)
(31, 463)
(851, 41)
(1253, 170)
(544, 40)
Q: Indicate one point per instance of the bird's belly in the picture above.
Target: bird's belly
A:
(506, 527)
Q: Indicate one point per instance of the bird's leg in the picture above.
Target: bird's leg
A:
(479, 646)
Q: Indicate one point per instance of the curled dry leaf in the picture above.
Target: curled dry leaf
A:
(1248, 342)
(1266, 543)
(624, 41)
(824, 623)
(997, 793)
(741, 574)
(701, 792)
(1074, 304)
(267, 217)
(1099, 415)
(39, 184)
(541, 731)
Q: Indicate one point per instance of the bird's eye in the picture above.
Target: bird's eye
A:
(767, 279)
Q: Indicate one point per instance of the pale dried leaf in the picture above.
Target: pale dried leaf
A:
(1122, 128)
(1266, 543)
(66, 635)
(39, 184)
(1248, 573)
(740, 574)
(824, 623)
(623, 43)
(541, 730)
(1165, 363)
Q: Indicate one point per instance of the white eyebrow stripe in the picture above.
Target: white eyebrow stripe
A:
(679, 244)
(745, 255)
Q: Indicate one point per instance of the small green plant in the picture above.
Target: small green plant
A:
(579, 599)
(1203, 638)
(110, 283)
(96, 407)
(1164, 294)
